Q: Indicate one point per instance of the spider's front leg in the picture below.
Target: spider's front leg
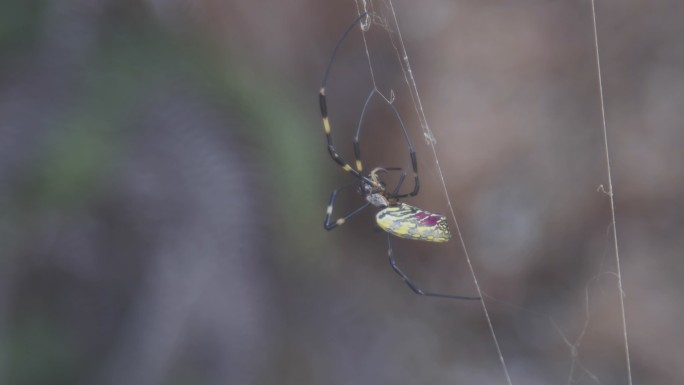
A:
(324, 106)
(412, 151)
(328, 136)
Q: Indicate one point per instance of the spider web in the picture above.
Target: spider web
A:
(384, 16)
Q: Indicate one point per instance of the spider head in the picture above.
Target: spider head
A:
(373, 189)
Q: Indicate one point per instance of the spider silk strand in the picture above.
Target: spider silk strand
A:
(611, 195)
(415, 98)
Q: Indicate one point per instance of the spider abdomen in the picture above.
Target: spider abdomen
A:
(406, 221)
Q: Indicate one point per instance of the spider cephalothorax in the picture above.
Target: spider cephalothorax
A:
(373, 189)
(395, 217)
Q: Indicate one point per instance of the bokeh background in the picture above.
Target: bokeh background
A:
(164, 177)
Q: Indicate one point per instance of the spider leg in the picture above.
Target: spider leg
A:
(324, 107)
(412, 285)
(401, 181)
(357, 148)
(412, 151)
(340, 221)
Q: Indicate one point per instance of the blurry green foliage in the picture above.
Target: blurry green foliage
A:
(40, 353)
(19, 24)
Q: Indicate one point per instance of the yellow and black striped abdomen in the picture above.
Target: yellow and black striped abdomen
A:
(410, 222)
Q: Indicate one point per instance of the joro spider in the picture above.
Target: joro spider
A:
(396, 218)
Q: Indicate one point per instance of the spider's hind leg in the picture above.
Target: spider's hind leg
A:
(324, 105)
(413, 286)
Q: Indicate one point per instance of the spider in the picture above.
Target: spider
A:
(396, 218)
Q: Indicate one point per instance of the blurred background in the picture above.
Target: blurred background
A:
(164, 178)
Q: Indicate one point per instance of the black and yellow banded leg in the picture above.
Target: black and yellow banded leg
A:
(331, 148)
(324, 106)
(340, 221)
(412, 285)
